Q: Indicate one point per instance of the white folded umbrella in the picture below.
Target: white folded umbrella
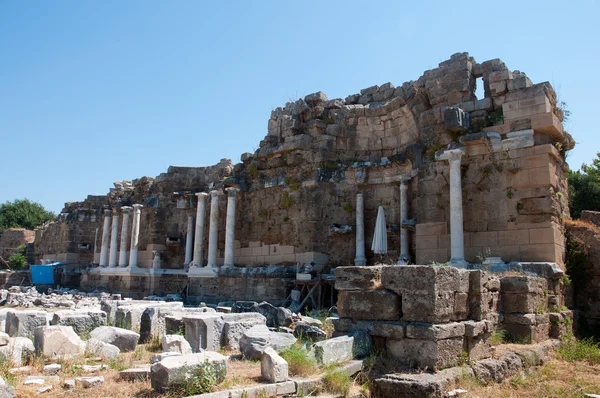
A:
(379, 244)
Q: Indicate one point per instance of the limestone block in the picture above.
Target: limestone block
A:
(58, 342)
(82, 321)
(435, 228)
(102, 349)
(523, 284)
(483, 304)
(337, 349)
(395, 330)
(273, 368)
(124, 339)
(428, 331)
(523, 140)
(3, 314)
(24, 323)
(427, 353)
(4, 339)
(376, 305)
(19, 349)
(176, 369)
(233, 331)
(176, 343)
(135, 374)
(479, 346)
(256, 339)
(531, 333)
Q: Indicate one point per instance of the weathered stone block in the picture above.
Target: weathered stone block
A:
(427, 353)
(357, 278)
(395, 330)
(523, 303)
(376, 305)
(176, 369)
(481, 305)
(479, 347)
(273, 368)
(456, 120)
(432, 308)
(428, 331)
(58, 342)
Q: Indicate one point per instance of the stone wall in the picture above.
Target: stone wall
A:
(12, 238)
(434, 316)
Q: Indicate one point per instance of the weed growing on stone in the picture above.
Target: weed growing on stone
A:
(337, 381)
(300, 362)
(498, 336)
(5, 366)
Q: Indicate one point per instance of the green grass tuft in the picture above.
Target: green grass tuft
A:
(300, 362)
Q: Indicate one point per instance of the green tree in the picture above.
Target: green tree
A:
(584, 188)
(19, 259)
(22, 213)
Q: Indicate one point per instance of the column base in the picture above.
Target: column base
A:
(204, 272)
(360, 261)
(403, 260)
(458, 263)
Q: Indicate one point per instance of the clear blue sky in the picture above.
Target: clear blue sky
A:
(97, 91)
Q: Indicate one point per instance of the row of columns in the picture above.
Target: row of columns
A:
(108, 253)
(213, 232)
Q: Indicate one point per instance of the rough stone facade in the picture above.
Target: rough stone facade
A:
(429, 316)
(12, 238)
(298, 190)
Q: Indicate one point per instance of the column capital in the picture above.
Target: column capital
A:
(451, 155)
(232, 191)
(107, 212)
(126, 209)
(215, 192)
(201, 195)
(137, 208)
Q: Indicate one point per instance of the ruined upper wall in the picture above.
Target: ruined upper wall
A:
(299, 188)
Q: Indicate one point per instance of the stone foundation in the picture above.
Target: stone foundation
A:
(437, 316)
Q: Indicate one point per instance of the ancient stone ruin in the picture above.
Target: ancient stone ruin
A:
(474, 193)
(461, 179)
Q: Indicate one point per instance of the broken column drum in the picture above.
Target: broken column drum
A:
(124, 237)
(189, 241)
(198, 260)
(135, 235)
(360, 258)
(114, 236)
(230, 226)
(213, 233)
(105, 237)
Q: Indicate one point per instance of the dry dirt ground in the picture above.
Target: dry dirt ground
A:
(556, 378)
(239, 373)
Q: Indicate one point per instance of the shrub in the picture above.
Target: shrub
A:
(337, 381)
(580, 350)
(17, 261)
(203, 379)
(300, 362)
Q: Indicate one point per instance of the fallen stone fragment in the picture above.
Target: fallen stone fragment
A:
(176, 343)
(256, 339)
(273, 368)
(172, 370)
(70, 383)
(52, 369)
(104, 350)
(124, 339)
(44, 389)
(135, 374)
(58, 341)
(34, 380)
(89, 382)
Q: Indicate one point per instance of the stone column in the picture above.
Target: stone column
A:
(124, 236)
(230, 226)
(213, 232)
(199, 234)
(135, 235)
(403, 215)
(114, 235)
(105, 237)
(189, 241)
(360, 232)
(457, 246)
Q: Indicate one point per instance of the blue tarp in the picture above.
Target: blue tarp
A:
(42, 274)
